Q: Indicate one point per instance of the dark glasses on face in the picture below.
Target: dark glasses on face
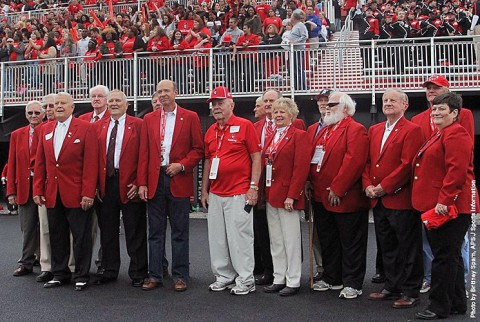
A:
(333, 104)
(33, 112)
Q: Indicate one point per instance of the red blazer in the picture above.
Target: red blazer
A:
(443, 171)
(18, 173)
(342, 167)
(75, 171)
(128, 155)
(465, 119)
(392, 167)
(289, 170)
(88, 116)
(187, 149)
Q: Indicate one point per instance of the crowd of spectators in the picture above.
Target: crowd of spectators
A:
(92, 30)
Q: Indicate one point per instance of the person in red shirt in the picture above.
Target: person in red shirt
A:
(262, 9)
(229, 190)
(248, 45)
(35, 43)
(158, 43)
(74, 7)
(272, 19)
(111, 49)
(91, 57)
(179, 63)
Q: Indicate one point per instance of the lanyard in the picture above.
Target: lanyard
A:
(433, 127)
(163, 125)
(220, 142)
(272, 148)
(330, 130)
(426, 144)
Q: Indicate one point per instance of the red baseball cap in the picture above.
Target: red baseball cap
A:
(438, 80)
(227, 38)
(219, 92)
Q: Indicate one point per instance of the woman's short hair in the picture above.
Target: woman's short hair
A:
(286, 104)
(454, 101)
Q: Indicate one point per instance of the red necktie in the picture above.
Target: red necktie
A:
(269, 131)
(111, 151)
(96, 118)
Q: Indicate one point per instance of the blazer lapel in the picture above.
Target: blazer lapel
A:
(103, 139)
(50, 130)
(69, 136)
(126, 134)
(286, 139)
(396, 129)
(429, 143)
(335, 136)
(156, 131)
(178, 125)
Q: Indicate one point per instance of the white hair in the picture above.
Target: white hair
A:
(101, 87)
(33, 103)
(346, 101)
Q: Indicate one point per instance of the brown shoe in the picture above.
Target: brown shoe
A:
(22, 270)
(384, 295)
(150, 284)
(406, 302)
(180, 286)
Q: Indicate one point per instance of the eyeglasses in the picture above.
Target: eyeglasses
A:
(333, 104)
(34, 112)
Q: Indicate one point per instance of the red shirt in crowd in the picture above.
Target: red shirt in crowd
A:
(74, 8)
(276, 21)
(157, 44)
(238, 141)
(262, 11)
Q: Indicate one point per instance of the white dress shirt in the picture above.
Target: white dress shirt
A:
(170, 118)
(59, 135)
(118, 140)
(278, 133)
(267, 120)
(386, 134)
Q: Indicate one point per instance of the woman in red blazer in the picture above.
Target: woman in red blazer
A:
(443, 177)
(287, 158)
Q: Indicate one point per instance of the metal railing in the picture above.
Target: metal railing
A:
(368, 67)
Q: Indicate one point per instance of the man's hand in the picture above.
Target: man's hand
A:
(379, 192)
(369, 191)
(204, 199)
(173, 169)
(288, 204)
(39, 200)
(333, 199)
(132, 192)
(12, 199)
(143, 193)
(86, 203)
(251, 197)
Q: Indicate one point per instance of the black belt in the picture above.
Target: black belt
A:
(116, 173)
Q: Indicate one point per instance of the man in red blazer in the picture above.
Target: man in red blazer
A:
(386, 181)
(434, 86)
(65, 182)
(341, 208)
(170, 148)
(98, 99)
(118, 145)
(19, 185)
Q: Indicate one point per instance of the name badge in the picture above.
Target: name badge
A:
(214, 168)
(268, 175)
(318, 156)
(234, 129)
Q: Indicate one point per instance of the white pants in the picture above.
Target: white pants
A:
(230, 238)
(476, 43)
(285, 245)
(45, 249)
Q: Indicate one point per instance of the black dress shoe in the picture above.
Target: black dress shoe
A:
(36, 263)
(138, 282)
(44, 277)
(265, 279)
(378, 278)
(274, 288)
(427, 315)
(80, 286)
(55, 283)
(289, 291)
(103, 280)
(100, 271)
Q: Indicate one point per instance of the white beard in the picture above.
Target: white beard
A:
(334, 118)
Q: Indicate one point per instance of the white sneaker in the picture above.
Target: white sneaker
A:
(324, 286)
(219, 286)
(349, 293)
(425, 287)
(242, 289)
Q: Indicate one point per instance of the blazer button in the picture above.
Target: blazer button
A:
(55, 178)
(377, 165)
(57, 165)
(273, 180)
(273, 169)
(374, 178)
(416, 178)
(417, 165)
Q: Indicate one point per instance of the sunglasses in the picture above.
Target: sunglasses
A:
(34, 112)
(333, 104)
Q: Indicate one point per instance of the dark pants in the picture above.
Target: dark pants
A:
(343, 240)
(399, 233)
(299, 63)
(378, 258)
(448, 283)
(163, 205)
(261, 245)
(61, 221)
(135, 223)
(28, 215)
